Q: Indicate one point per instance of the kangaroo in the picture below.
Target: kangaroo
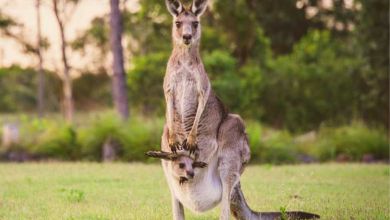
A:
(197, 121)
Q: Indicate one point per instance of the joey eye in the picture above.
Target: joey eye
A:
(178, 24)
(195, 24)
(181, 165)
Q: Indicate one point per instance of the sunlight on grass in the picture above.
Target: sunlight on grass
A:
(93, 191)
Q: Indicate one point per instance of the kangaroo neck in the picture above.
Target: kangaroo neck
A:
(186, 53)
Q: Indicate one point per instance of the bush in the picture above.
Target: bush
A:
(254, 130)
(92, 137)
(270, 146)
(353, 141)
(139, 136)
(57, 142)
(53, 138)
(316, 83)
(278, 148)
(133, 137)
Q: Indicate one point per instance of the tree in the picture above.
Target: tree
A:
(6, 25)
(66, 78)
(95, 40)
(373, 35)
(119, 77)
(41, 76)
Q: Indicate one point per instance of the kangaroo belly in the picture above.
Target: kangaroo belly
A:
(186, 104)
(202, 193)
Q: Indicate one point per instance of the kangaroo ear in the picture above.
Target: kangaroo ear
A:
(199, 7)
(199, 164)
(162, 155)
(174, 7)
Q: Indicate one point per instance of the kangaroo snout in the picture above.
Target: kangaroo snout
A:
(187, 38)
(190, 174)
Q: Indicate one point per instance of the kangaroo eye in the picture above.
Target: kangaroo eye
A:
(181, 165)
(195, 24)
(178, 24)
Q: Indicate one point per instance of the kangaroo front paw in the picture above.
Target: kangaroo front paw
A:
(174, 146)
(190, 145)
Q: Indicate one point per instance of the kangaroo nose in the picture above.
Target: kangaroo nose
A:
(187, 37)
(190, 174)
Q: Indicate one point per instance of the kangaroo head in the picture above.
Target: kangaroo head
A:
(186, 21)
(182, 165)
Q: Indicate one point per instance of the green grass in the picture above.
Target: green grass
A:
(93, 191)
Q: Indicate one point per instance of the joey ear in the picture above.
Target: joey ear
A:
(199, 164)
(199, 7)
(162, 155)
(174, 7)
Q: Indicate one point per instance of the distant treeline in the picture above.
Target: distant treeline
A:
(269, 62)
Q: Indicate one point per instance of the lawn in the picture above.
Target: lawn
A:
(93, 191)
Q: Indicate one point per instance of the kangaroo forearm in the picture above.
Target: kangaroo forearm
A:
(199, 111)
(202, 100)
(170, 112)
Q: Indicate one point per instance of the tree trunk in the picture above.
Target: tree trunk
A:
(119, 77)
(41, 76)
(67, 81)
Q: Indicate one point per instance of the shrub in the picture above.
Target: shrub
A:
(254, 130)
(134, 137)
(270, 146)
(57, 141)
(53, 138)
(353, 141)
(278, 148)
(139, 136)
(316, 83)
(92, 137)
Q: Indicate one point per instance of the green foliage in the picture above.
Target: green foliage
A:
(73, 195)
(277, 148)
(220, 66)
(145, 81)
(139, 136)
(354, 141)
(19, 86)
(134, 137)
(86, 98)
(57, 141)
(373, 37)
(54, 139)
(283, 212)
(92, 137)
(284, 24)
(316, 83)
(18, 89)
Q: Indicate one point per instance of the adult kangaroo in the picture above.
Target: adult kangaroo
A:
(197, 121)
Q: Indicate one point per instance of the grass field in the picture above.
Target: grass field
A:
(92, 191)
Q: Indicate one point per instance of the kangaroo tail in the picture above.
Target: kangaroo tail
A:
(241, 210)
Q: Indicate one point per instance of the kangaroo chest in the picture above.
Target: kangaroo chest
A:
(184, 83)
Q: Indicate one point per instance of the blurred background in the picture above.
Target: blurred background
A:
(309, 77)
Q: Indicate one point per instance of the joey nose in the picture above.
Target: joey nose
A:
(190, 174)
